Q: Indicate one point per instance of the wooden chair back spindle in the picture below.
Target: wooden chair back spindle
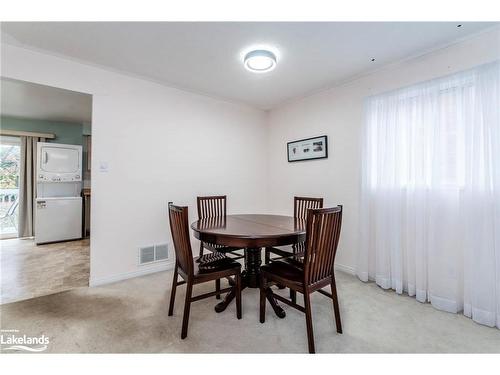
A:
(302, 204)
(211, 206)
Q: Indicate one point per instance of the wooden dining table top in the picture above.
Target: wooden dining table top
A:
(250, 230)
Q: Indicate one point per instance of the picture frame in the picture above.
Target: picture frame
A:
(308, 149)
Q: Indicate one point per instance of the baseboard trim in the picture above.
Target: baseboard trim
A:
(142, 271)
(347, 269)
(165, 266)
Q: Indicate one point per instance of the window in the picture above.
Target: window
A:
(9, 185)
(416, 137)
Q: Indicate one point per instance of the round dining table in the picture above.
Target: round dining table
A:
(252, 232)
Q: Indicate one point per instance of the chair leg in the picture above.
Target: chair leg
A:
(263, 286)
(201, 249)
(309, 325)
(238, 296)
(293, 296)
(172, 293)
(336, 307)
(187, 306)
(217, 288)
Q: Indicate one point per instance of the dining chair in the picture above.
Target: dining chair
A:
(316, 271)
(193, 272)
(300, 207)
(214, 207)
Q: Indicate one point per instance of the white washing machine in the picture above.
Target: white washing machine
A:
(58, 219)
(58, 210)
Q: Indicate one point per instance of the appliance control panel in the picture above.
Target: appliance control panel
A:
(59, 178)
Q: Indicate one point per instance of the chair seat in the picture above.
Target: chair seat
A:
(220, 248)
(285, 271)
(210, 257)
(223, 264)
(284, 252)
(297, 260)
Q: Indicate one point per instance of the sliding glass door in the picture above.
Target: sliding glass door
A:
(10, 155)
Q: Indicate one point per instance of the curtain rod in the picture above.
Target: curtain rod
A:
(17, 133)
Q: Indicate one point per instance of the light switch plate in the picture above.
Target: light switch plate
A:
(103, 167)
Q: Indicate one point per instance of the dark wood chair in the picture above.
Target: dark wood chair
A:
(214, 207)
(316, 271)
(194, 272)
(300, 207)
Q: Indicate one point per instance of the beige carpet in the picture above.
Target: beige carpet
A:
(131, 316)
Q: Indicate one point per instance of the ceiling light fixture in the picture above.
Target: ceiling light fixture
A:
(260, 61)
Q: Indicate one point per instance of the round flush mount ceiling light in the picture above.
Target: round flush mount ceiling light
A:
(260, 61)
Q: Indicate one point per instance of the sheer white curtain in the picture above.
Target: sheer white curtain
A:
(430, 206)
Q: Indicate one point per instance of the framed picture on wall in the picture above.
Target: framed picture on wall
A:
(308, 149)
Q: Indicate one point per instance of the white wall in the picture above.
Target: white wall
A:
(338, 113)
(161, 145)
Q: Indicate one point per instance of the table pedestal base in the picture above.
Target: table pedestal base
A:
(250, 279)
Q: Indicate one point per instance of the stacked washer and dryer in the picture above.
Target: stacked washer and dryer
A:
(58, 213)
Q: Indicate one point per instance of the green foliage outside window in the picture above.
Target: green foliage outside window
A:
(9, 167)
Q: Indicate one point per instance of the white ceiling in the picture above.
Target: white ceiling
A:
(206, 57)
(29, 100)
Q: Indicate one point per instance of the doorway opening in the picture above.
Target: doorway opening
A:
(45, 189)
